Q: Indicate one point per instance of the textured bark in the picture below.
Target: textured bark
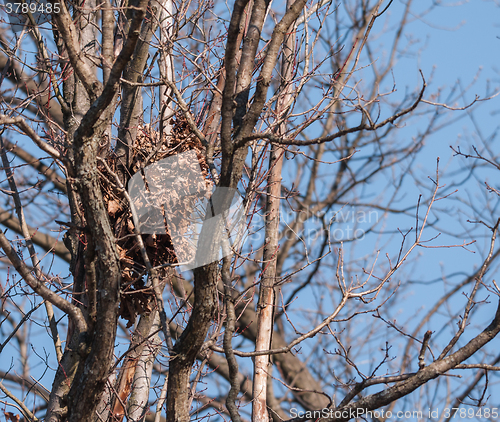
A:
(89, 368)
(227, 343)
(143, 348)
(132, 109)
(167, 109)
(190, 342)
(93, 374)
(230, 66)
(246, 67)
(137, 404)
(72, 40)
(267, 296)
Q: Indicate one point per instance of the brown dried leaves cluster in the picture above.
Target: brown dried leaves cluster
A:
(137, 298)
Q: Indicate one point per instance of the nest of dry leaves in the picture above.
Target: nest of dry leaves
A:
(137, 297)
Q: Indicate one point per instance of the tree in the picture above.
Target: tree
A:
(288, 107)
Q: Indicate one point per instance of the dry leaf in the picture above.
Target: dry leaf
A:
(9, 416)
(113, 207)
